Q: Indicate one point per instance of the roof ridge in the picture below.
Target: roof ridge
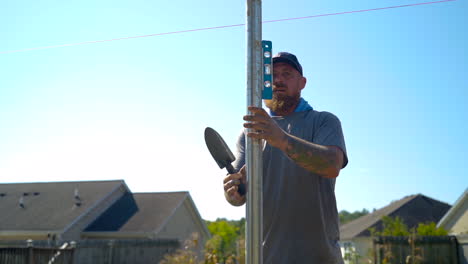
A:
(181, 192)
(58, 182)
(437, 200)
(403, 200)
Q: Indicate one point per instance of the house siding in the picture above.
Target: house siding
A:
(362, 246)
(458, 223)
(180, 225)
(183, 225)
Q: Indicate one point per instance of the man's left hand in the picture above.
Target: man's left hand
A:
(264, 127)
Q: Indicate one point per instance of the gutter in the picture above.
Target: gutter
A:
(28, 233)
(94, 235)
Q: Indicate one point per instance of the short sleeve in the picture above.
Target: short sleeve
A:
(240, 152)
(330, 133)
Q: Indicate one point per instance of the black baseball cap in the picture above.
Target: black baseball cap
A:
(288, 58)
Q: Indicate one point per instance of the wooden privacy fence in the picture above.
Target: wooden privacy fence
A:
(27, 253)
(123, 251)
(416, 250)
(86, 251)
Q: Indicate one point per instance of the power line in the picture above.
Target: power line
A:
(219, 27)
(359, 11)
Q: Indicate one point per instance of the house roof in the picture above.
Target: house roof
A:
(49, 206)
(411, 209)
(154, 210)
(149, 212)
(457, 212)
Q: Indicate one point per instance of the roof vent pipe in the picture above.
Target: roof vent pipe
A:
(77, 198)
(77, 194)
(21, 202)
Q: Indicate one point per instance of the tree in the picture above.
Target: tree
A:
(186, 255)
(430, 229)
(391, 227)
(394, 227)
(223, 242)
(346, 217)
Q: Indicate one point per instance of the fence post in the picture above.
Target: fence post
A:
(29, 244)
(454, 245)
(72, 250)
(111, 249)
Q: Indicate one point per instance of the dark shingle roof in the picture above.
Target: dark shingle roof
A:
(115, 216)
(49, 205)
(412, 209)
(155, 209)
(143, 212)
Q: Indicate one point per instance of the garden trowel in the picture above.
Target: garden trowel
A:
(221, 153)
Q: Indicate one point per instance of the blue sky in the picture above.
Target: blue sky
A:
(136, 109)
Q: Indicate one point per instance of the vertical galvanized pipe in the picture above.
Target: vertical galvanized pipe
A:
(254, 207)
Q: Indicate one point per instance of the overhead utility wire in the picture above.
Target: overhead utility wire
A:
(218, 27)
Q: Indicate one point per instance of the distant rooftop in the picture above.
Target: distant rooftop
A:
(49, 206)
(412, 209)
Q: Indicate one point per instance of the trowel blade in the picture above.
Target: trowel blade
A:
(218, 148)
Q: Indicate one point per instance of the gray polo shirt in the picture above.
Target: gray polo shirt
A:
(300, 218)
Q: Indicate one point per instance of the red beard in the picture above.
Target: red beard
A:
(282, 103)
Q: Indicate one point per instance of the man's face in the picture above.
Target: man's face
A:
(287, 86)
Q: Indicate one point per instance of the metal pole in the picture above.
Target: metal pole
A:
(254, 207)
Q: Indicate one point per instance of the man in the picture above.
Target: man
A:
(303, 154)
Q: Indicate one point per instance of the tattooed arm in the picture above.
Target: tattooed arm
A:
(323, 160)
(326, 161)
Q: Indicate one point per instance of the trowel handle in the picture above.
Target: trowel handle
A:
(241, 187)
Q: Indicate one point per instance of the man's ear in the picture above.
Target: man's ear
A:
(303, 82)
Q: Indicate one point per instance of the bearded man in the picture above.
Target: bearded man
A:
(303, 155)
